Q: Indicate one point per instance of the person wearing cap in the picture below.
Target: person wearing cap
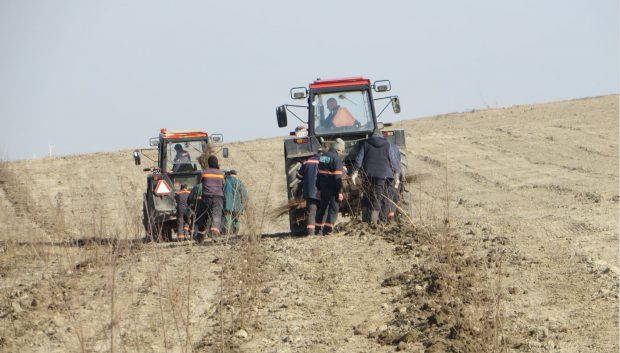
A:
(301, 131)
(212, 180)
(181, 160)
(329, 183)
(181, 197)
(307, 175)
(235, 199)
(373, 160)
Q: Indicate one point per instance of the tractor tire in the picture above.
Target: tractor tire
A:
(166, 230)
(292, 183)
(145, 218)
(157, 231)
(297, 228)
(161, 232)
(294, 191)
(406, 202)
(150, 227)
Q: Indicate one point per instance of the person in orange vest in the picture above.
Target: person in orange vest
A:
(182, 224)
(338, 116)
(307, 175)
(212, 180)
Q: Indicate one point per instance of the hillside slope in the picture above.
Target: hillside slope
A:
(533, 189)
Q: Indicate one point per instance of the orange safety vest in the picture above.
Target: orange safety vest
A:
(343, 118)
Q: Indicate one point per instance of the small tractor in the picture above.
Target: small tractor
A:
(355, 95)
(176, 163)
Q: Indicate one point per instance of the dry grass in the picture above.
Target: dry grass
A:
(225, 318)
(283, 210)
(42, 263)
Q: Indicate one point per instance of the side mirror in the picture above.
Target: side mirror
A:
(154, 141)
(225, 152)
(299, 92)
(216, 138)
(136, 157)
(395, 105)
(281, 115)
(382, 86)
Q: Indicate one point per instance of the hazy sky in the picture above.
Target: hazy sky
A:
(89, 76)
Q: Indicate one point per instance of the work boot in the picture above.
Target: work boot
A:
(317, 231)
(199, 237)
(215, 237)
(327, 230)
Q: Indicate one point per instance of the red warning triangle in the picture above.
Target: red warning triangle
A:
(162, 188)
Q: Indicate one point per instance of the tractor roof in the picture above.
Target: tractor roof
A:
(181, 134)
(337, 82)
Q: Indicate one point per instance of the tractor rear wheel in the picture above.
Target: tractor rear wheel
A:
(145, 218)
(156, 230)
(151, 229)
(166, 230)
(160, 231)
(296, 216)
(406, 202)
(297, 227)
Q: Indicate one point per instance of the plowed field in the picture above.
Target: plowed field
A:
(512, 246)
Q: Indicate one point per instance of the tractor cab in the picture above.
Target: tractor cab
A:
(178, 152)
(340, 107)
(341, 112)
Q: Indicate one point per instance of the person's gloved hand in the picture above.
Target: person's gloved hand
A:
(396, 181)
(354, 177)
(340, 197)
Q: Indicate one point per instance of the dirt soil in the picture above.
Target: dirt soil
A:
(512, 247)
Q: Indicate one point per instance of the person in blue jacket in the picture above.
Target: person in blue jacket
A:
(392, 184)
(373, 160)
(329, 182)
(307, 174)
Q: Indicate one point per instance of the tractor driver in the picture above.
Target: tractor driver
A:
(182, 161)
(338, 116)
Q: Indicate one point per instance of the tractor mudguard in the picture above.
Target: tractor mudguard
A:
(293, 149)
(165, 204)
(162, 205)
(396, 136)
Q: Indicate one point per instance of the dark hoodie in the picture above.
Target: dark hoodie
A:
(373, 157)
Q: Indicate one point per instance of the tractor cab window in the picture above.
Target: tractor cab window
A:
(183, 156)
(339, 112)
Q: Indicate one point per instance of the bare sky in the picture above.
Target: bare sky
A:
(89, 76)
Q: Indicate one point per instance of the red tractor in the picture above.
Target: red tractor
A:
(355, 122)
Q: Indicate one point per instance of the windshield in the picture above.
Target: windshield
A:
(183, 156)
(338, 112)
